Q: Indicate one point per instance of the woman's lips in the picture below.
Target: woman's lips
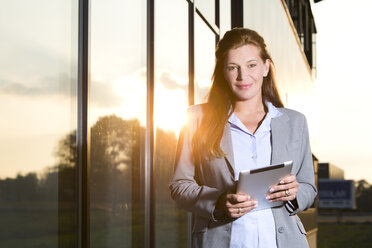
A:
(244, 86)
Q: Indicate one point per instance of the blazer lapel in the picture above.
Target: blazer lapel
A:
(279, 138)
(226, 146)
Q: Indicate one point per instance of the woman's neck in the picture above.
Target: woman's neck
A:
(251, 113)
(250, 106)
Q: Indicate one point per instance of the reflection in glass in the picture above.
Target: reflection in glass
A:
(225, 17)
(117, 111)
(205, 42)
(38, 84)
(170, 104)
(207, 8)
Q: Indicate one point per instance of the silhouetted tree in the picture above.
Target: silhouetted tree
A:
(165, 152)
(66, 151)
(360, 187)
(111, 159)
(21, 188)
(363, 193)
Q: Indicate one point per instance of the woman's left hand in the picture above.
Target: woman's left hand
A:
(285, 190)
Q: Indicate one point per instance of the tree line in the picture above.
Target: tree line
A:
(116, 173)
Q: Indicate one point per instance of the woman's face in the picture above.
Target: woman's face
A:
(244, 70)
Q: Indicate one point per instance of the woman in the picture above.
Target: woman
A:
(242, 126)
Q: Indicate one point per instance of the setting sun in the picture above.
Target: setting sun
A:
(170, 105)
(170, 102)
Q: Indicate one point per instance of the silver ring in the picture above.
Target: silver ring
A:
(239, 210)
(287, 193)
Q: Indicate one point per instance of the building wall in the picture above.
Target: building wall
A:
(86, 154)
(90, 152)
(294, 77)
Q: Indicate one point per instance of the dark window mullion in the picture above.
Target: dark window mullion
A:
(149, 139)
(237, 13)
(217, 18)
(191, 53)
(191, 92)
(82, 129)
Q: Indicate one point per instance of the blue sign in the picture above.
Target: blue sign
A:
(336, 194)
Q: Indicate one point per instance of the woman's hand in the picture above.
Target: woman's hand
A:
(286, 190)
(236, 205)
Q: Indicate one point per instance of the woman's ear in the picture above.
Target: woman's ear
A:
(266, 67)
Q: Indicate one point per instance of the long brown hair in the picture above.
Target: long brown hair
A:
(220, 103)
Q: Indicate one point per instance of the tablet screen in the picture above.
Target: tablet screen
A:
(257, 182)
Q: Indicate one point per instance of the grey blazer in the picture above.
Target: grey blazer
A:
(196, 186)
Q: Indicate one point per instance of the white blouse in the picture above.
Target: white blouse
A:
(255, 229)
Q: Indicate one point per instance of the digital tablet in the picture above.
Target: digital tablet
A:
(257, 182)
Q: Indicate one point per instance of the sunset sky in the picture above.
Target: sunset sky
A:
(344, 85)
(37, 88)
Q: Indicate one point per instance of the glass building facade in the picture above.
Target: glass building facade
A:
(92, 97)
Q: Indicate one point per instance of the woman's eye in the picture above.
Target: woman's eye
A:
(252, 65)
(232, 68)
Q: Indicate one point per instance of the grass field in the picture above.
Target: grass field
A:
(22, 228)
(345, 235)
(39, 229)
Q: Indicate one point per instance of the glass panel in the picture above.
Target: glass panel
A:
(225, 17)
(171, 84)
(38, 48)
(205, 43)
(117, 113)
(207, 8)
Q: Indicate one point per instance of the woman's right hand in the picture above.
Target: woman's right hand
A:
(236, 205)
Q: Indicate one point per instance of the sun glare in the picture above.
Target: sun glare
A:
(132, 91)
(170, 108)
(170, 100)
